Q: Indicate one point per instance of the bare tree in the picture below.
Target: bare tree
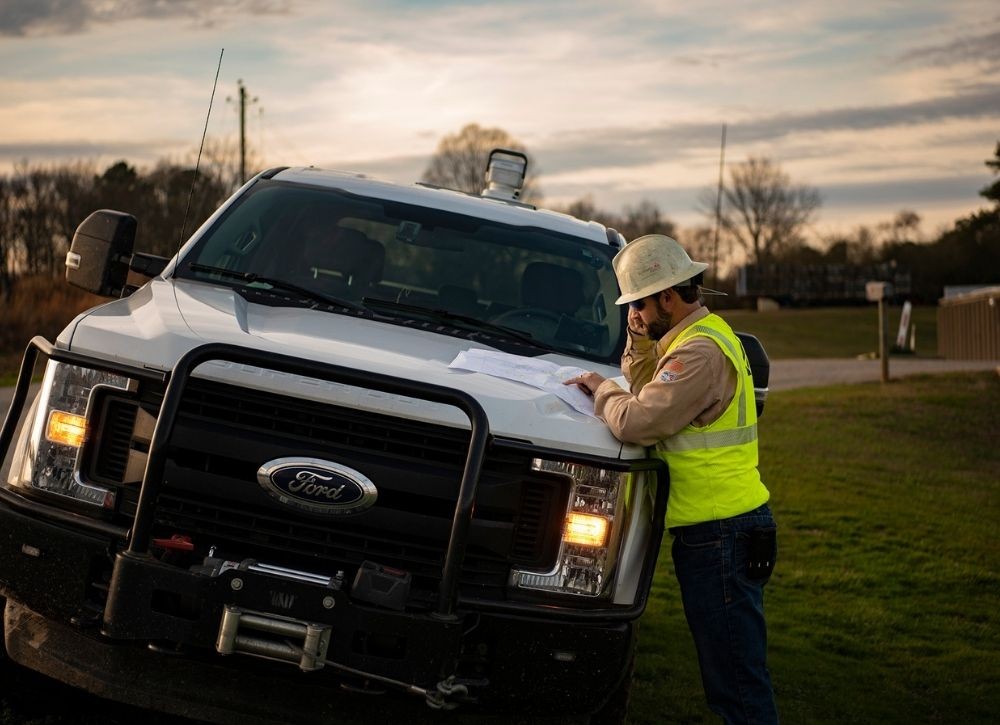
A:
(221, 160)
(460, 160)
(762, 211)
(6, 238)
(36, 225)
(645, 218)
(992, 192)
(699, 243)
(634, 221)
(585, 208)
(904, 227)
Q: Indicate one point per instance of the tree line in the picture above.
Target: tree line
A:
(42, 205)
(763, 217)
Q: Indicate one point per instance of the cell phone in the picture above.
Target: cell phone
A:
(762, 550)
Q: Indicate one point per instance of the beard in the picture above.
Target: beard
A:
(659, 327)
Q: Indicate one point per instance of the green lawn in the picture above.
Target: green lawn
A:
(830, 331)
(885, 603)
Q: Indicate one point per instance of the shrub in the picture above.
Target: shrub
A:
(39, 305)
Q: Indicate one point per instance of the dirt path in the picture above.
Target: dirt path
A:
(807, 373)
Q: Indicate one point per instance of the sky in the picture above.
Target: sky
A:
(881, 105)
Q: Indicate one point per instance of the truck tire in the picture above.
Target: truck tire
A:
(614, 711)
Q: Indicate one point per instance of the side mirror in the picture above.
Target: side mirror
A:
(760, 368)
(98, 258)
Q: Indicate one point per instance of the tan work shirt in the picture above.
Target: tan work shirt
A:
(693, 384)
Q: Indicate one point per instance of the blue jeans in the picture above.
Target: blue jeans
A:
(725, 612)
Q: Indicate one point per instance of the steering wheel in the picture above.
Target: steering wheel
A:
(536, 321)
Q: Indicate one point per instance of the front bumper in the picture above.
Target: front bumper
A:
(153, 643)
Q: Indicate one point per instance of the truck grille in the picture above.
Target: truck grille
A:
(286, 540)
(224, 433)
(117, 419)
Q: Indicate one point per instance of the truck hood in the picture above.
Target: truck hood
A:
(158, 324)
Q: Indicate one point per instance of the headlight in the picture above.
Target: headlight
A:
(591, 533)
(48, 455)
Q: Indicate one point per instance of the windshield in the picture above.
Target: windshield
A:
(550, 287)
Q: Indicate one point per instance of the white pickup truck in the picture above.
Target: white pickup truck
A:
(254, 481)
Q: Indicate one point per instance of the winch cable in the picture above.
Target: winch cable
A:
(436, 699)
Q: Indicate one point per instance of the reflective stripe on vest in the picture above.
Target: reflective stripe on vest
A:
(713, 439)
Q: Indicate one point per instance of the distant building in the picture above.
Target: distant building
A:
(819, 284)
(969, 323)
(954, 290)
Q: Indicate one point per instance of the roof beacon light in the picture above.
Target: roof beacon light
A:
(505, 172)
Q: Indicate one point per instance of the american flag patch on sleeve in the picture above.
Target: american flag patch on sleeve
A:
(671, 371)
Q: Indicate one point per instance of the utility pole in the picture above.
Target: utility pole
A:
(243, 101)
(718, 209)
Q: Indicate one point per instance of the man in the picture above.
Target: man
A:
(692, 400)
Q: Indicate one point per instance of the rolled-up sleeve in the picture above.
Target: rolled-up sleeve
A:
(683, 387)
(639, 361)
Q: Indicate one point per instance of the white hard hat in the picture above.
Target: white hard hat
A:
(652, 263)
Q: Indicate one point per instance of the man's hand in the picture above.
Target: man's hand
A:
(588, 382)
(635, 323)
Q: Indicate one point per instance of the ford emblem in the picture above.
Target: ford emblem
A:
(316, 486)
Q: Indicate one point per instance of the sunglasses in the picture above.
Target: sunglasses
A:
(640, 304)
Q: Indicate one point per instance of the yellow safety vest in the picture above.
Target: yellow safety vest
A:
(713, 469)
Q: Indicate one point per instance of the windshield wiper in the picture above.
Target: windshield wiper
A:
(281, 284)
(466, 321)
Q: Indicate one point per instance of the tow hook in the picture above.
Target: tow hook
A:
(446, 689)
(447, 694)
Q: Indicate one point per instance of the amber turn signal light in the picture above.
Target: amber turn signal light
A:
(66, 428)
(585, 529)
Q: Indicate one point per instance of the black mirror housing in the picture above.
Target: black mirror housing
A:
(98, 258)
(760, 368)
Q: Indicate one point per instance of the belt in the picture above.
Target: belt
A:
(715, 524)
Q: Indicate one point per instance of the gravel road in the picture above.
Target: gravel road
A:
(809, 372)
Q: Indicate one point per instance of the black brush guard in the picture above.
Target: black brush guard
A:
(523, 633)
(136, 556)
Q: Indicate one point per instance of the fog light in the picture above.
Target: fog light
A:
(585, 529)
(66, 428)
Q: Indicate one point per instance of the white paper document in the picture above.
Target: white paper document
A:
(540, 374)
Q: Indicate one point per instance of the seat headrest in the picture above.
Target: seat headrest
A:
(359, 256)
(458, 299)
(552, 287)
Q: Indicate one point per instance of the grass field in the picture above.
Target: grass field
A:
(885, 603)
(831, 331)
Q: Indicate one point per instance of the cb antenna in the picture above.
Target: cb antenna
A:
(197, 164)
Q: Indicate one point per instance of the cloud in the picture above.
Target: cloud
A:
(983, 49)
(60, 151)
(845, 205)
(632, 147)
(61, 17)
(17, 17)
